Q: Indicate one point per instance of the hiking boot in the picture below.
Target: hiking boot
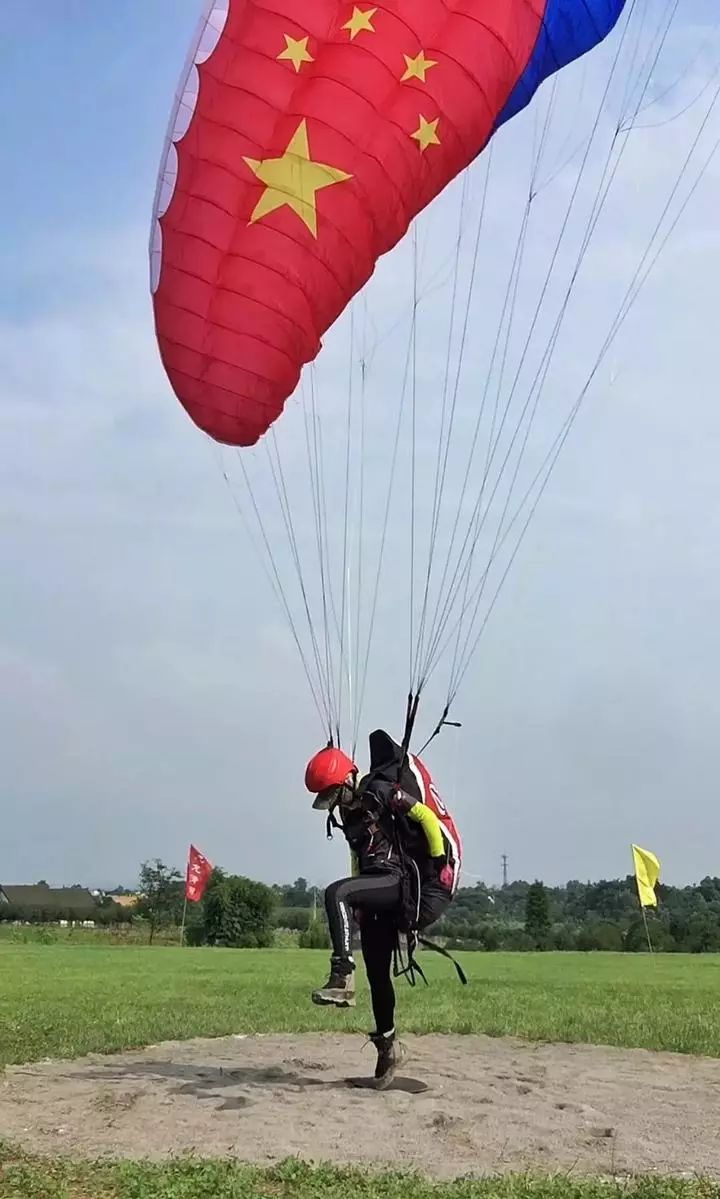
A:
(391, 1054)
(339, 990)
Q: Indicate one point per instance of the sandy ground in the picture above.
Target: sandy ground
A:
(492, 1106)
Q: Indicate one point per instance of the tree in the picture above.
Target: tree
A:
(160, 894)
(537, 915)
(299, 895)
(297, 919)
(703, 934)
(239, 913)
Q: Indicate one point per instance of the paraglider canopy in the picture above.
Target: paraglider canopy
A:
(305, 140)
(304, 143)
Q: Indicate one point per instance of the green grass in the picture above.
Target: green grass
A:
(112, 935)
(26, 1178)
(63, 1001)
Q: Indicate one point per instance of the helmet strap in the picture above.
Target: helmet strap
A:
(332, 821)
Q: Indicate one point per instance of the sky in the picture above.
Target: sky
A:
(150, 693)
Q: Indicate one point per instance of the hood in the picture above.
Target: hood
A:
(386, 763)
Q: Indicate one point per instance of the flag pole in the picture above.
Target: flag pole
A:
(182, 926)
(647, 929)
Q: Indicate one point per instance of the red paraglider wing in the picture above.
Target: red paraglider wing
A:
(312, 133)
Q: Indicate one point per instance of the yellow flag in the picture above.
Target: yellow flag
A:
(647, 873)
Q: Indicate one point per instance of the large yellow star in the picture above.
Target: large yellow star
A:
(296, 51)
(417, 68)
(293, 179)
(360, 20)
(426, 135)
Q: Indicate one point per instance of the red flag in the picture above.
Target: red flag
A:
(198, 875)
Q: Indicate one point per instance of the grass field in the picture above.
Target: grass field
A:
(22, 1178)
(66, 999)
(63, 1001)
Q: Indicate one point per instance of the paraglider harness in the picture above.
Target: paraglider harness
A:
(407, 920)
(388, 763)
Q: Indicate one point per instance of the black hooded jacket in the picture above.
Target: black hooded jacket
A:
(377, 827)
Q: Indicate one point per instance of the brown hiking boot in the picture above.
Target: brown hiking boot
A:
(339, 990)
(391, 1055)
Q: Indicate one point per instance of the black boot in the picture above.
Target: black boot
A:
(391, 1054)
(339, 990)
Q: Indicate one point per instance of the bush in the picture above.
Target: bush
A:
(34, 934)
(485, 936)
(518, 940)
(316, 936)
(239, 913)
(194, 935)
(286, 938)
(600, 935)
(563, 938)
(112, 913)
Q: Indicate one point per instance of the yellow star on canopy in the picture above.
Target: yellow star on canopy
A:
(417, 68)
(293, 179)
(426, 135)
(296, 51)
(360, 20)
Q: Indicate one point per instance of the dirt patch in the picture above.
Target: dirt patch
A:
(492, 1106)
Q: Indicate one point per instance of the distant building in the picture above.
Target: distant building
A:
(125, 901)
(48, 903)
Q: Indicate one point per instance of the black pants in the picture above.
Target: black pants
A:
(375, 897)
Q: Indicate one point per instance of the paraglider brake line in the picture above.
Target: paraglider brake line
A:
(442, 723)
(413, 702)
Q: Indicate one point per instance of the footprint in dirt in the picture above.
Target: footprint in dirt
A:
(234, 1103)
(111, 1103)
(442, 1122)
(454, 1129)
(589, 1113)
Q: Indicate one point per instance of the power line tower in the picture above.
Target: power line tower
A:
(505, 869)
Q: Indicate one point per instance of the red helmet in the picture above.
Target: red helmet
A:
(328, 768)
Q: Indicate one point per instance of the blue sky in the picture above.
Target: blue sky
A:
(150, 692)
(68, 67)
